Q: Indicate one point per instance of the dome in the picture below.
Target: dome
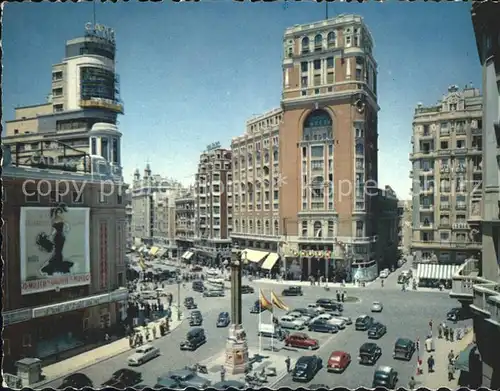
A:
(103, 127)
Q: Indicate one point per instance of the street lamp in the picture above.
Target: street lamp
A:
(178, 298)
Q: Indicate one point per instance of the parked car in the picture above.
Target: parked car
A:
(187, 378)
(76, 380)
(332, 320)
(386, 377)
(198, 286)
(123, 378)
(377, 330)
(247, 289)
(292, 291)
(404, 349)
(142, 354)
(384, 273)
(456, 314)
(306, 368)
(363, 322)
(300, 316)
(223, 320)
(189, 303)
(195, 318)
(256, 308)
(323, 326)
(196, 268)
(369, 353)
(301, 340)
(229, 384)
(346, 319)
(213, 292)
(377, 306)
(289, 322)
(194, 339)
(316, 308)
(330, 305)
(166, 382)
(272, 331)
(338, 361)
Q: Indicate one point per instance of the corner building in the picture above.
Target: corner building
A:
(321, 149)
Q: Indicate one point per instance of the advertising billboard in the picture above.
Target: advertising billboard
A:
(55, 251)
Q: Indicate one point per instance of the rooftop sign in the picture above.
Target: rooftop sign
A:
(211, 147)
(101, 31)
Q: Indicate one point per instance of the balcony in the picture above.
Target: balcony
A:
(316, 239)
(426, 226)
(462, 282)
(428, 190)
(427, 136)
(461, 206)
(460, 225)
(427, 171)
(444, 170)
(444, 206)
(426, 208)
(460, 151)
(247, 236)
(486, 300)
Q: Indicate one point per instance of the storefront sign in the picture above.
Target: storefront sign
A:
(71, 305)
(101, 31)
(120, 294)
(54, 248)
(16, 316)
(103, 254)
(213, 146)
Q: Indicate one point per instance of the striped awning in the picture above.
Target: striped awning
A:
(184, 256)
(434, 271)
(189, 255)
(254, 255)
(154, 250)
(271, 259)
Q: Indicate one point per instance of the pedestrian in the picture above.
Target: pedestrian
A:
(451, 371)
(288, 363)
(451, 334)
(445, 332)
(430, 364)
(222, 373)
(430, 325)
(451, 357)
(338, 295)
(154, 332)
(412, 383)
(342, 296)
(440, 331)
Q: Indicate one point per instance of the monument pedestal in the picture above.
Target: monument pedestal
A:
(236, 351)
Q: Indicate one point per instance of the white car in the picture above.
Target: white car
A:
(384, 274)
(346, 319)
(289, 322)
(300, 316)
(142, 354)
(316, 307)
(340, 323)
(377, 306)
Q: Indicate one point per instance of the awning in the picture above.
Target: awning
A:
(133, 248)
(254, 255)
(433, 271)
(184, 256)
(189, 255)
(462, 362)
(154, 250)
(161, 252)
(271, 259)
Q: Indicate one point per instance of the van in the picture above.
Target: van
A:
(194, 339)
(271, 331)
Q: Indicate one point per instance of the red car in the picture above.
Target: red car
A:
(338, 361)
(301, 340)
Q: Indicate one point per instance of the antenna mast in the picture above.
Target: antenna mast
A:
(326, 9)
(93, 7)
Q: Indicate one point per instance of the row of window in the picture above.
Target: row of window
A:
(351, 38)
(250, 147)
(261, 227)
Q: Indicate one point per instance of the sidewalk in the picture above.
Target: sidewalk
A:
(92, 357)
(439, 378)
(331, 285)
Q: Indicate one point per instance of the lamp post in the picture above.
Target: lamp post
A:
(178, 298)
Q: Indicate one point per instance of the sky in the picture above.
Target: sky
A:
(192, 73)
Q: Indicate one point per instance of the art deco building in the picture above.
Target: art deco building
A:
(185, 223)
(321, 151)
(477, 283)
(213, 206)
(447, 177)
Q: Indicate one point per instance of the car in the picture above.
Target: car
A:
(385, 376)
(403, 279)
(213, 292)
(346, 319)
(306, 368)
(369, 353)
(289, 322)
(142, 354)
(195, 318)
(194, 339)
(247, 289)
(76, 380)
(257, 308)
(187, 378)
(223, 320)
(189, 303)
(338, 361)
(300, 316)
(318, 386)
(198, 286)
(323, 326)
(330, 305)
(377, 306)
(363, 322)
(271, 330)
(455, 314)
(384, 273)
(332, 320)
(229, 384)
(301, 340)
(123, 378)
(148, 295)
(292, 291)
(404, 349)
(377, 330)
(316, 308)
(196, 268)
(166, 382)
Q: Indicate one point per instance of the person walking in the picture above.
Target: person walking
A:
(445, 332)
(342, 296)
(430, 364)
(451, 357)
(412, 383)
(451, 371)
(222, 373)
(430, 325)
(338, 295)
(288, 363)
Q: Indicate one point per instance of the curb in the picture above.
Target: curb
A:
(99, 360)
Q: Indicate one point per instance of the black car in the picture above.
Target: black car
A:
(292, 291)
(386, 377)
(189, 303)
(194, 339)
(404, 349)
(257, 308)
(229, 384)
(123, 378)
(198, 286)
(455, 314)
(76, 380)
(323, 326)
(195, 319)
(330, 305)
(376, 330)
(223, 320)
(364, 322)
(403, 279)
(247, 289)
(369, 353)
(306, 368)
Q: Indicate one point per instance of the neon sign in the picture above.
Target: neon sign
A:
(101, 31)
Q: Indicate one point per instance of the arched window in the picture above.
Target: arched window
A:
(318, 41)
(304, 229)
(275, 155)
(317, 126)
(317, 229)
(360, 149)
(250, 226)
(305, 45)
(266, 157)
(243, 226)
(267, 227)
(331, 39)
(276, 227)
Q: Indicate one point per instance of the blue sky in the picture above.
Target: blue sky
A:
(192, 74)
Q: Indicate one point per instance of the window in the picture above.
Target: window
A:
(330, 63)
(317, 80)
(116, 158)
(276, 227)
(119, 199)
(57, 92)
(58, 108)
(330, 79)
(444, 235)
(359, 74)
(57, 75)
(303, 81)
(317, 65)
(77, 197)
(303, 93)
(318, 230)
(444, 144)
(453, 106)
(305, 45)
(348, 41)
(359, 229)
(303, 66)
(104, 148)
(331, 228)
(460, 144)
(26, 340)
(318, 42)
(316, 91)
(331, 39)
(317, 151)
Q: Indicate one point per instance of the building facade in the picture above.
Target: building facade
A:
(387, 221)
(213, 206)
(404, 225)
(324, 153)
(85, 91)
(477, 283)
(185, 223)
(447, 177)
(128, 214)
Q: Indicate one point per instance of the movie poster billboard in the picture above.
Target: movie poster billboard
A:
(55, 251)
